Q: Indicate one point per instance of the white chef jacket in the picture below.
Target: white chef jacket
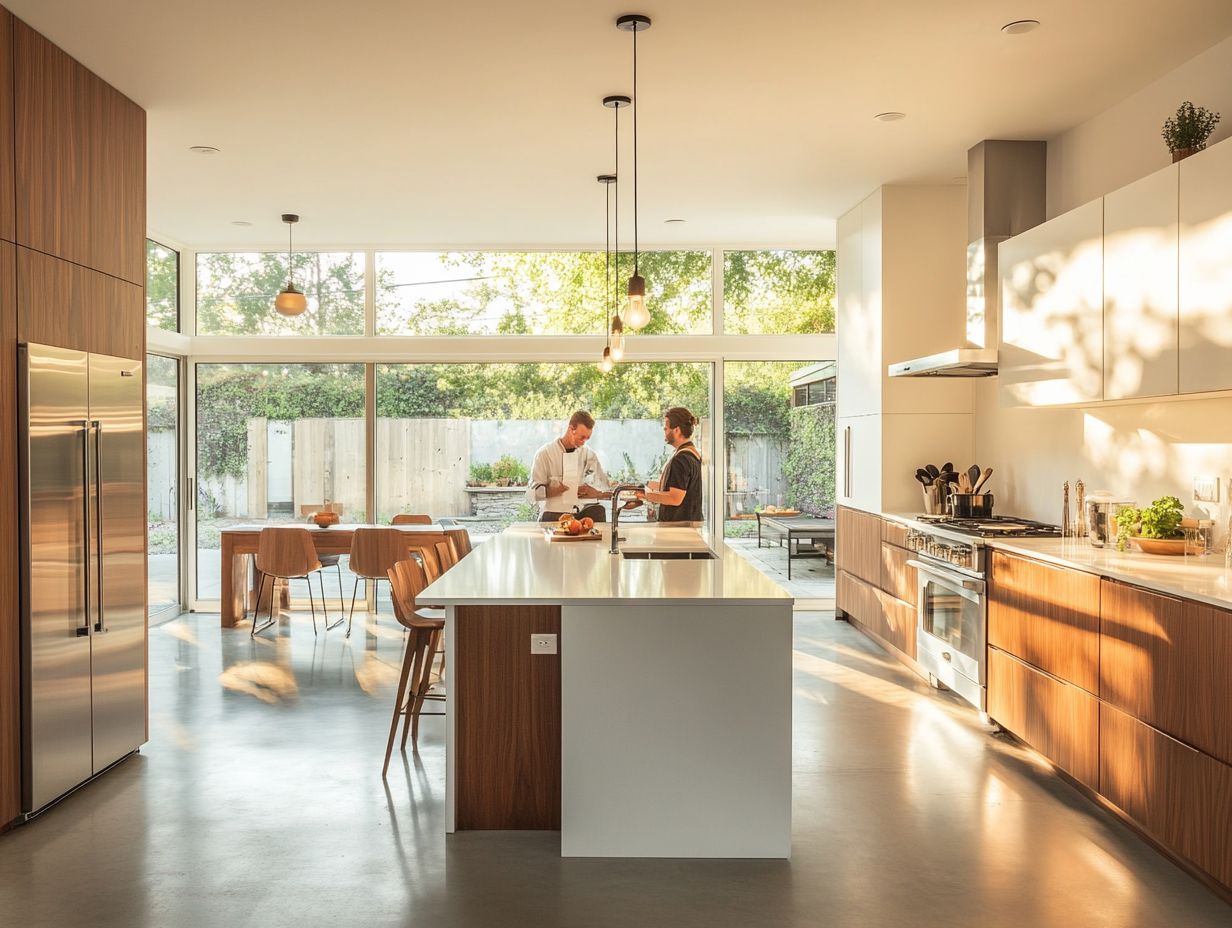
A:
(550, 461)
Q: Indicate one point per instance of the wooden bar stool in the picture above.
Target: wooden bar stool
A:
(446, 554)
(287, 554)
(410, 518)
(373, 552)
(407, 580)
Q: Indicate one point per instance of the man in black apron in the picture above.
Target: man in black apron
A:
(678, 491)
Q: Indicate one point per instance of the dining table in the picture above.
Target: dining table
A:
(241, 587)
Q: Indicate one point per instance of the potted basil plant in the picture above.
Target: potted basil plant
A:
(1155, 529)
(1187, 131)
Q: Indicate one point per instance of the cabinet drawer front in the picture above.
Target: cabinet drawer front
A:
(858, 599)
(1047, 616)
(894, 532)
(898, 621)
(897, 579)
(1058, 720)
(858, 544)
(1179, 795)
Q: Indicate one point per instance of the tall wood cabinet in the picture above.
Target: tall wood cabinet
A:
(72, 269)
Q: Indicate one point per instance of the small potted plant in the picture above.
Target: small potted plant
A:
(1187, 131)
(1155, 529)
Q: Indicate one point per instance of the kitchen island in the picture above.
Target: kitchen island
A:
(659, 725)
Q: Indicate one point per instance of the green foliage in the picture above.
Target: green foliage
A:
(510, 468)
(776, 292)
(525, 512)
(481, 473)
(809, 464)
(757, 397)
(162, 286)
(1162, 519)
(1190, 127)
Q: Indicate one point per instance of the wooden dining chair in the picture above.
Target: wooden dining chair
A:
(410, 518)
(287, 554)
(406, 581)
(373, 552)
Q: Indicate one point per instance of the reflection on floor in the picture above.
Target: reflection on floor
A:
(259, 802)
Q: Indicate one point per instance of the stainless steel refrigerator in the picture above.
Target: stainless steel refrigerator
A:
(83, 567)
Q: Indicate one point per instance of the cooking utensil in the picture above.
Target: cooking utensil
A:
(932, 470)
(922, 475)
(973, 474)
(964, 485)
(947, 466)
(984, 475)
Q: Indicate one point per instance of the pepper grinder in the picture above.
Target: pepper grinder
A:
(1080, 502)
(1065, 524)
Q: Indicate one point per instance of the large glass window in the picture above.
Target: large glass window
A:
(458, 440)
(236, 291)
(162, 286)
(778, 292)
(275, 443)
(533, 293)
(162, 391)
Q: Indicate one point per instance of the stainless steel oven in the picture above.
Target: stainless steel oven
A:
(950, 632)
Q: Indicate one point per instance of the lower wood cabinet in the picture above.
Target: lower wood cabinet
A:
(897, 622)
(897, 578)
(857, 599)
(857, 542)
(1180, 796)
(1046, 615)
(1058, 719)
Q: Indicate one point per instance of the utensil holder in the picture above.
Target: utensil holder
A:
(971, 505)
(934, 500)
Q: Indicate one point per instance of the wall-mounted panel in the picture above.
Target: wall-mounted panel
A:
(70, 306)
(80, 162)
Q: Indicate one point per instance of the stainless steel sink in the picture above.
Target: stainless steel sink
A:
(668, 555)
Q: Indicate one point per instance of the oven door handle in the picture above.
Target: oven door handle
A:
(960, 585)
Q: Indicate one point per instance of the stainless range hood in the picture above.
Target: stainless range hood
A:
(1005, 195)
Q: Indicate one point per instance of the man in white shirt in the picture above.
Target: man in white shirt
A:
(566, 475)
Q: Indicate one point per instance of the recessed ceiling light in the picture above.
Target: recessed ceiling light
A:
(673, 220)
(204, 149)
(890, 116)
(240, 222)
(1019, 26)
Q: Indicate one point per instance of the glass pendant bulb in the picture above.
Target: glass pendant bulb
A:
(290, 301)
(635, 314)
(605, 363)
(618, 339)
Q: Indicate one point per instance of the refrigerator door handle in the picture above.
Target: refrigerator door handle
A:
(84, 424)
(101, 625)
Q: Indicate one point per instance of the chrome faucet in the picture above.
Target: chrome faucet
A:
(616, 509)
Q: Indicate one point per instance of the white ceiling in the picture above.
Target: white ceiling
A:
(479, 123)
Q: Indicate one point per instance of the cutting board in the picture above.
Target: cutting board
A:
(551, 535)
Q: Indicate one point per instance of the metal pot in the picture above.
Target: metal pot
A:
(971, 505)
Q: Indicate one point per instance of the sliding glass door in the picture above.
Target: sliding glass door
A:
(162, 485)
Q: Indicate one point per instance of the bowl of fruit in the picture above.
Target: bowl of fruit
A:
(570, 528)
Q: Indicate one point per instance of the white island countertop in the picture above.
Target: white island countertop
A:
(521, 566)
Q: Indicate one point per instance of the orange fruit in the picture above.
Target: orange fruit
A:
(587, 524)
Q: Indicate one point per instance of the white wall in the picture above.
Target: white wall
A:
(1123, 143)
(1143, 451)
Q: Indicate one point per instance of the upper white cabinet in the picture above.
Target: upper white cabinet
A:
(1206, 270)
(858, 327)
(1052, 311)
(1140, 288)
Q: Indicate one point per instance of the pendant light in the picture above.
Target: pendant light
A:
(636, 315)
(614, 348)
(290, 300)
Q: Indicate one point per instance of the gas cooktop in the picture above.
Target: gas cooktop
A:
(996, 527)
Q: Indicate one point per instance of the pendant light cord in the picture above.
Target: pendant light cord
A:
(636, 106)
(290, 266)
(607, 264)
(617, 248)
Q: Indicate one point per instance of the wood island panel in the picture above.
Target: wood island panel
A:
(1047, 616)
(1059, 720)
(507, 711)
(80, 162)
(858, 544)
(10, 631)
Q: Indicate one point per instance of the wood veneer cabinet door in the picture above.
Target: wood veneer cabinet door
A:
(858, 599)
(894, 532)
(897, 579)
(898, 621)
(1181, 796)
(1047, 616)
(1147, 657)
(1209, 704)
(69, 306)
(858, 544)
(1059, 720)
(80, 162)
(10, 635)
(8, 195)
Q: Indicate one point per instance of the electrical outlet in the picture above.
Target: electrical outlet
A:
(1206, 489)
(542, 644)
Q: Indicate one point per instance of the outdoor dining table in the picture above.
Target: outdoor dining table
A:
(796, 529)
(239, 592)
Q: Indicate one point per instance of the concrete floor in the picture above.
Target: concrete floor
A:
(259, 802)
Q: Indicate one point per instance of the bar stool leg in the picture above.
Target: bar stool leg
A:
(408, 666)
(321, 580)
(419, 688)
